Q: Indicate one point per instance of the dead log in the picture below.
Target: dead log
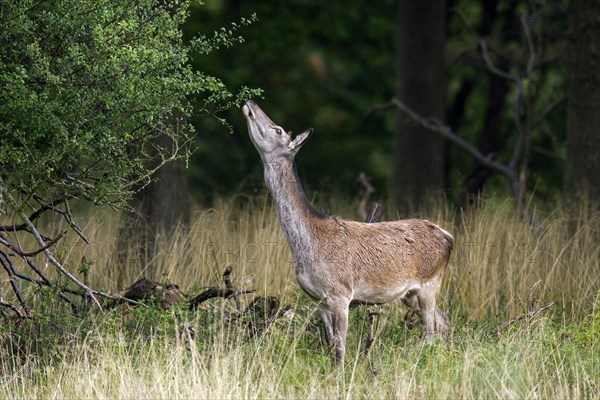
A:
(216, 292)
(166, 295)
(226, 293)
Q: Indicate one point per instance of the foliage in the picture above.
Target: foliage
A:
(86, 90)
(86, 86)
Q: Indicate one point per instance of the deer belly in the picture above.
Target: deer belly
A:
(377, 295)
(310, 286)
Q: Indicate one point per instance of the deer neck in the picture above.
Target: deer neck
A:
(295, 213)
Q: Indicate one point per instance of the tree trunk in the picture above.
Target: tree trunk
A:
(155, 209)
(583, 104)
(492, 139)
(419, 155)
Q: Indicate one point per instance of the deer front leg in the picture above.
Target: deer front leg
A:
(327, 325)
(339, 315)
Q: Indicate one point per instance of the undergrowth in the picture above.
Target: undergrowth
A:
(133, 352)
(500, 270)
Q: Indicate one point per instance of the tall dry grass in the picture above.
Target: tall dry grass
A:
(500, 264)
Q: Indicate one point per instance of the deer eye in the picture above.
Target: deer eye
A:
(278, 131)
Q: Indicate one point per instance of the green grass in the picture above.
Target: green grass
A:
(499, 268)
(110, 357)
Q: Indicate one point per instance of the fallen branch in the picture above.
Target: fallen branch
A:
(531, 312)
(226, 293)
(216, 292)
(228, 285)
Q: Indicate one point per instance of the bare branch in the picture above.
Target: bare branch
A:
(546, 111)
(215, 292)
(47, 253)
(33, 253)
(69, 217)
(14, 308)
(531, 312)
(7, 265)
(448, 133)
(485, 54)
(369, 190)
(530, 46)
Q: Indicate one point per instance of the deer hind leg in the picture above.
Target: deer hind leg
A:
(413, 315)
(434, 320)
(411, 300)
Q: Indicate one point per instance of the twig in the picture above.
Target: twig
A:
(14, 308)
(487, 60)
(369, 190)
(530, 46)
(373, 327)
(33, 253)
(45, 206)
(375, 213)
(531, 312)
(373, 216)
(549, 108)
(229, 286)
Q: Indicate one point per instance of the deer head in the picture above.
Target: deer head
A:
(270, 139)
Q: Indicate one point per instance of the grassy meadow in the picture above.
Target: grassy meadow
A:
(501, 268)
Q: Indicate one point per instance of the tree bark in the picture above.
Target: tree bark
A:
(582, 178)
(419, 156)
(155, 209)
(492, 139)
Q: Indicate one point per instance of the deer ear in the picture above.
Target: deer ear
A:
(300, 140)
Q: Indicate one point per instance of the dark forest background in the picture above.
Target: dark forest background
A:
(326, 64)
